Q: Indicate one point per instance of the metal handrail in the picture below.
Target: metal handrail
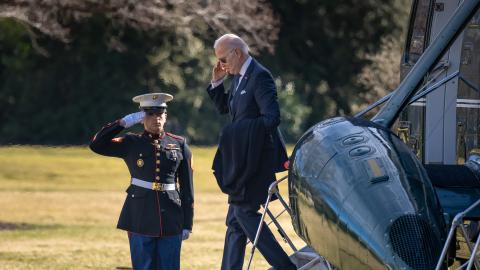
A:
(272, 189)
(457, 221)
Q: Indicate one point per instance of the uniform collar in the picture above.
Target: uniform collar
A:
(153, 136)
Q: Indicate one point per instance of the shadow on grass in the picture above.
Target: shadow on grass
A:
(11, 226)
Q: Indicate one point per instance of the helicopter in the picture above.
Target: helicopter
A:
(397, 190)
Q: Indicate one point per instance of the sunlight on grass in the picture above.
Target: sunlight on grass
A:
(59, 207)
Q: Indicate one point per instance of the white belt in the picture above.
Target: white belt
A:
(153, 185)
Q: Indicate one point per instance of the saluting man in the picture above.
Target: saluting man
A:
(250, 151)
(158, 210)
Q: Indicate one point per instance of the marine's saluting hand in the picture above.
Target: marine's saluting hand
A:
(132, 119)
(185, 234)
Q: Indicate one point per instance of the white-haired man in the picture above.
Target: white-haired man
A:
(250, 150)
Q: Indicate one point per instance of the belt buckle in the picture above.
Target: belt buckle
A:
(157, 186)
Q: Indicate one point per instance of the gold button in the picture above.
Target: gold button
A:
(158, 146)
(158, 154)
(156, 141)
(157, 169)
(158, 162)
(157, 178)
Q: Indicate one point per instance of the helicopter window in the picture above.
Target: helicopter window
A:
(418, 39)
(468, 97)
(411, 121)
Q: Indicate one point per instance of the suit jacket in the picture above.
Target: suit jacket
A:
(255, 98)
(151, 158)
(239, 157)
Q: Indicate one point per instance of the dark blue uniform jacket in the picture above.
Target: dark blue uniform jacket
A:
(165, 160)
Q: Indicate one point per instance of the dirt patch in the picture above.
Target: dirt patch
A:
(21, 226)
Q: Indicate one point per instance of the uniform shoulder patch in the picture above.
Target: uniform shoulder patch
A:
(176, 137)
(131, 134)
(118, 139)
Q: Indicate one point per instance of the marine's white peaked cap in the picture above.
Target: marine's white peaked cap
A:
(153, 100)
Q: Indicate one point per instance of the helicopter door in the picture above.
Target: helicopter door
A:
(444, 127)
(440, 105)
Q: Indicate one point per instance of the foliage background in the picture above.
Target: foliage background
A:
(69, 67)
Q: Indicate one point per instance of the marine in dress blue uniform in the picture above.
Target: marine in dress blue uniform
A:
(246, 172)
(158, 208)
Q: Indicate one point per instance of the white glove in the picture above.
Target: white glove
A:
(133, 118)
(185, 234)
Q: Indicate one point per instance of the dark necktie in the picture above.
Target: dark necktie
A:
(235, 81)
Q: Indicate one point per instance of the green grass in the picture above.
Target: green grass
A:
(59, 207)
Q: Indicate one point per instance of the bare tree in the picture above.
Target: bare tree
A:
(382, 75)
(255, 21)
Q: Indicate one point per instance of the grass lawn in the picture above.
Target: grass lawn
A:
(59, 207)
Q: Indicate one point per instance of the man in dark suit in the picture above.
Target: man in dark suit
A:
(250, 151)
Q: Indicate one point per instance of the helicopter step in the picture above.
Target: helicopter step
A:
(305, 258)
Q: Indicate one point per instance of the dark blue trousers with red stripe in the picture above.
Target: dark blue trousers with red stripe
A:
(155, 253)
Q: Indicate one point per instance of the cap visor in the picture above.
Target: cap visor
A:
(154, 109)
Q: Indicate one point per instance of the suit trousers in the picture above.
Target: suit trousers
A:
(242, 223)
(155, 253)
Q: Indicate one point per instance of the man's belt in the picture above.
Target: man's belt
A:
(153, 185)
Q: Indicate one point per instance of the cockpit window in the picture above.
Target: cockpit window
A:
(417, 39)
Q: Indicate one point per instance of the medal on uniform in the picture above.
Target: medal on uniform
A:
(171, 146)
(140, 162)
